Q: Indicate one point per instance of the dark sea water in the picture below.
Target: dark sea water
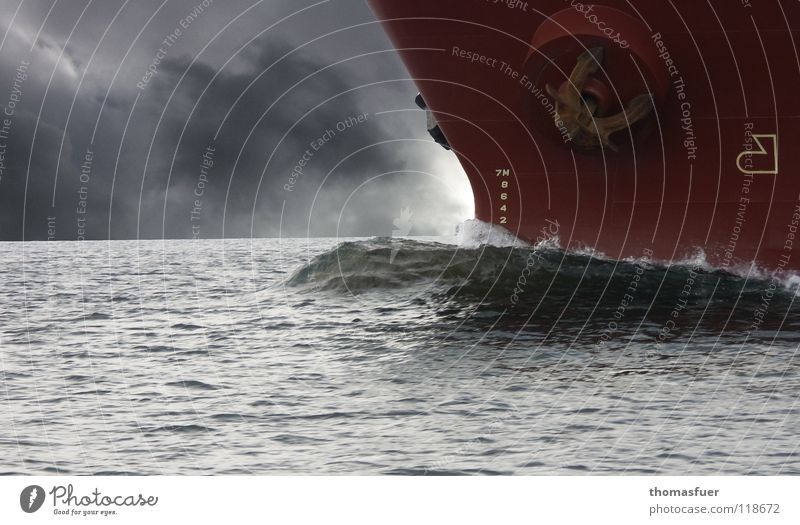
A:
(381, 356)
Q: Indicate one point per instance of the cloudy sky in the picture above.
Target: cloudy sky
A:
(113, 106)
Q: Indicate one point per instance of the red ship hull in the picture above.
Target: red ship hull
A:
(710, 168)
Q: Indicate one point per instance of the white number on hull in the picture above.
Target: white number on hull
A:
(504, 184)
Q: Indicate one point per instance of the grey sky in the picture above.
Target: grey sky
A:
(116, 110)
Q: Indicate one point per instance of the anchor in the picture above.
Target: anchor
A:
(581, 116)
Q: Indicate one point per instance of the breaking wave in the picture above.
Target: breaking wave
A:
(541, 284)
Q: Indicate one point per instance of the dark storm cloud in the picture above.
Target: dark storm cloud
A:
(127, 148)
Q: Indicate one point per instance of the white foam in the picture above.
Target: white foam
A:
(750, 271)
(699, 260)
(792, 284)
(475, 233)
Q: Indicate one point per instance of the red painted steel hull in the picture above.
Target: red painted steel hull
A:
(724, 79)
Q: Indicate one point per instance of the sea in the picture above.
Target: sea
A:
(469, 355)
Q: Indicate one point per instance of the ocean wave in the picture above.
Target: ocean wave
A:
(386, 263)
(541, 286)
